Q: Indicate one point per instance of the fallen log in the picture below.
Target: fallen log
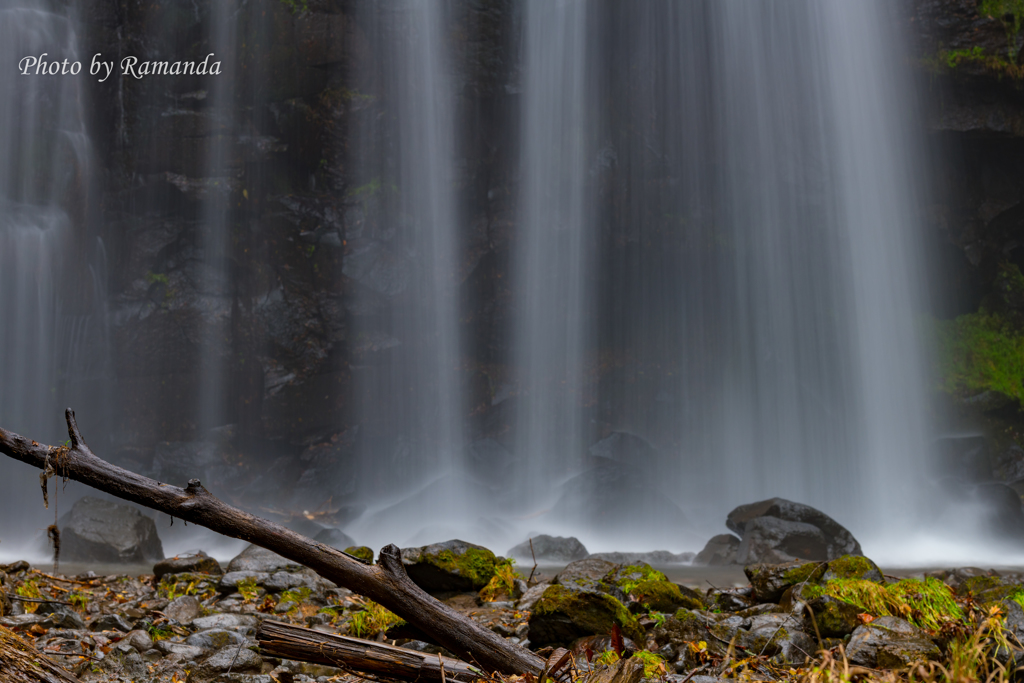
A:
(22, 663)
(277, 639)
(386, 582)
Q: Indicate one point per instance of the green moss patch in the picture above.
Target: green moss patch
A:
(928, 604)
(362, 552)
(980, 352)
(853, 567)
(562, 615)
(476, 564)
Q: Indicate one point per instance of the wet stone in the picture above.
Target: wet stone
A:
(890, 643)
(216, 638)
(238, 659)
(183, 609)
(185, 652)
(196, 562)
(243, 623)
(110, 622)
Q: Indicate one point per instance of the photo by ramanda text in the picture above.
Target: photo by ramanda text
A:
(131, 66)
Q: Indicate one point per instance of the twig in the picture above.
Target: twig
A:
(534, 562)
(695, 671)
(57, 578)
(20, 598)
(440, 660)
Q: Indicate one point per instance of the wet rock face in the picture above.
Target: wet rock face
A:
(102, 531)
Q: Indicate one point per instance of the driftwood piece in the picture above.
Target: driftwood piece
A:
(386, 582)
(22, 663)
(278, 639)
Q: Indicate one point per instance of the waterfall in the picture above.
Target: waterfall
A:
(52, 272)
(756, 192)
(554, 262)
(403, 264)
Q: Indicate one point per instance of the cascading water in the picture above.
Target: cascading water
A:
(554, 261)
(221, 180)
(403, 260)
(52, 272)
(758, 291)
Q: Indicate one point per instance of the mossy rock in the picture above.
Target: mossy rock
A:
(449, 567)
(771, 581)
(563, 615)
(589, 574)
(890, 643)
(362, 552)
(988, 589)
(830, 617)
(685, 626)
(627, 577)
(664, 596)
(197, 562)
(853, 567)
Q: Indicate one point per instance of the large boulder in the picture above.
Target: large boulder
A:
(550, 549)
(778, 530)
(98, 530)
(450, 566)
(775, 541)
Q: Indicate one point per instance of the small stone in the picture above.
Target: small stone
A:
(237, 659)
(257, 559)
(110, 622)
(183, 609)
(185, 652)
(243, 623)
(140, 640)
(531, 596)
(229, 582)
(196, 562)
(216, 639)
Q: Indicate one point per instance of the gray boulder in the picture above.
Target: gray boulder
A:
(257, 559)
(98, 530)
(779, 530)
(720, 550)
(550, 549)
